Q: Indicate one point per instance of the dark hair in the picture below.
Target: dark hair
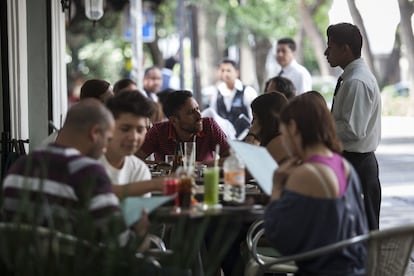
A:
(313, 120)
(175, 101)
(93, 88)
(266, 108)
(170, 63)
(149, 69)
(290, 42)
(227, 60)
(163, 94)
(346, 34)
(122, 84)
(283, 85)
(132, 101)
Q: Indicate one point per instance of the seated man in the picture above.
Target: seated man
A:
(184, 124)
(62, 185)
(131, 111)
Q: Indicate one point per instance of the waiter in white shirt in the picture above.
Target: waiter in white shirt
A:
(290, 68)
(357, 112)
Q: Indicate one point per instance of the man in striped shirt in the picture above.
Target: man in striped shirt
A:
(62, 185)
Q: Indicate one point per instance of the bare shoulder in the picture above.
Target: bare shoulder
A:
(311, 180)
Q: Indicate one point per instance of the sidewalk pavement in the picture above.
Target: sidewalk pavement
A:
(396, 165)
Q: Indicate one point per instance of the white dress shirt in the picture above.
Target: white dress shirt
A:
(357, 109)
(299, 75)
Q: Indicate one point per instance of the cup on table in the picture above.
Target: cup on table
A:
(211, 187)
(199, 170)
(171, 186)
(189, 154)
(169, 159)
(185, 187)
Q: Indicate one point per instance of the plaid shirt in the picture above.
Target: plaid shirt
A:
(161, 140)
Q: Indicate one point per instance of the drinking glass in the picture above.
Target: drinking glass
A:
(211, 191)
(169, 159)
(189, 154)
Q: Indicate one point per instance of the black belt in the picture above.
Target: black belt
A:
(356, 154)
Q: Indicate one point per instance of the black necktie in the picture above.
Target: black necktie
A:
(280, 73)
(338, 84)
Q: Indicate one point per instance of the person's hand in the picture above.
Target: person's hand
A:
(255, 128)
(281, 175)
(142, 225)
(159, 183)
(141, 229)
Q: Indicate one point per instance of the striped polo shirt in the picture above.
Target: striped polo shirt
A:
(57, 185)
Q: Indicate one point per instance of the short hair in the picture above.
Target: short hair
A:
(133, 102)
(93, 88)
(266, 108)
(122, 84)
(289, 41)
(346, 34)
(175, 101)
(313, 120)
(163, 94)
(170, 63)
(227, 60)
(283, 85)
(149, 69)
(87, 113)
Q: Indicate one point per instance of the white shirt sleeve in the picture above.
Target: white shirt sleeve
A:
(249, 95)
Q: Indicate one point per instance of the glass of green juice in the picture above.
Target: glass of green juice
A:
(211, 190)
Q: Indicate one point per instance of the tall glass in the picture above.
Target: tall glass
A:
(169, 159)
(189, 154)
(211, 191)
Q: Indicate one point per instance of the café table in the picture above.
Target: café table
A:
(189, 228)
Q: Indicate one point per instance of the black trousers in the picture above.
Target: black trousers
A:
(366, 166)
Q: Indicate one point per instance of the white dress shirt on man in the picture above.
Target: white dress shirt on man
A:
(299, 75)
(358, 115)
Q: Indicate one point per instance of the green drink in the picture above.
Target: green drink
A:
(211, 180)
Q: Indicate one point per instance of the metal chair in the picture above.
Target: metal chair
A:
(388, 252)
(25, 248)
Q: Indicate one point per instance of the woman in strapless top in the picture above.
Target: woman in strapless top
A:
(316, 199)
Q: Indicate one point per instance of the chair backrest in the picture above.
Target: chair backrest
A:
(389, 251)
(27, 249)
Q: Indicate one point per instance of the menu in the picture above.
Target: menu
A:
(132, 206)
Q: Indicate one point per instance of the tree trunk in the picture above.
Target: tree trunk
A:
(261, 51)
(155, 52)
(392, 72)
(210, 48)
(299, 38)
(407, 38)
(356, 16)
(195, 52)
(316, 38)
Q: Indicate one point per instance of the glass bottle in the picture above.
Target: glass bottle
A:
(234, 179)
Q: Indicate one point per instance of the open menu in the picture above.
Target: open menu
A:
(132, 206)
(258, 161)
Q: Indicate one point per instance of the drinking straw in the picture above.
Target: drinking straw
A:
(216, 155)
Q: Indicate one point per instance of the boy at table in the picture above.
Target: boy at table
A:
(130, 175)
(184, 124)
